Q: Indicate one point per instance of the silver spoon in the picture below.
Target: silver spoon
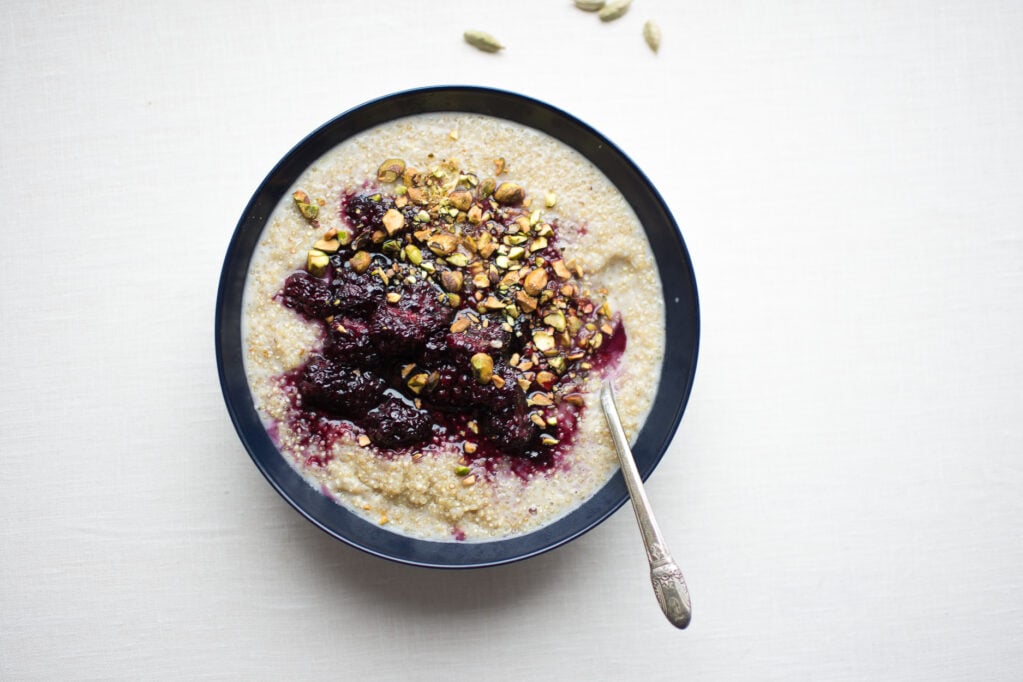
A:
(669, 585)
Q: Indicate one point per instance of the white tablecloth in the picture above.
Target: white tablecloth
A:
(845, 493)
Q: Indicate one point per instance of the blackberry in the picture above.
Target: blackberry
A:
(394, 423)
(340, 390)
(307, 295)
(349, 343)
(355, 293)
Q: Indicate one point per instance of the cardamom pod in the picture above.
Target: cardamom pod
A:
(614, 10)
(652, 35)
(589, 5)
(482, 41)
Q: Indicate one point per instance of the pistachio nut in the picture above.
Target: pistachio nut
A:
(390, 170)
(482, 367)
(393, 221)
(452, 280)
(360, 262)
(316, 262)
(535, 281)
(509, 194)
(460, 199)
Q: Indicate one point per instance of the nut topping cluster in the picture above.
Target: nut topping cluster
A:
(452, 290)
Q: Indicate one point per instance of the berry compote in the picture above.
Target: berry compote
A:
(449, 315)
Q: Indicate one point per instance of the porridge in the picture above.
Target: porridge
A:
(429, 314)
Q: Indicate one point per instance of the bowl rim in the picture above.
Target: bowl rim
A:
(681, 308)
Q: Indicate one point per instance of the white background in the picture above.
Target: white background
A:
(845, 493)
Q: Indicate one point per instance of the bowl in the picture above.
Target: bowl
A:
(681, 320)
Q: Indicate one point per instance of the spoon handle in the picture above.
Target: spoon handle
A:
(669, 585)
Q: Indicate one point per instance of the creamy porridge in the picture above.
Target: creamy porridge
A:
(429, 314)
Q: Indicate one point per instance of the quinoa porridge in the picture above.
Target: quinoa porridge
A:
(429, 314)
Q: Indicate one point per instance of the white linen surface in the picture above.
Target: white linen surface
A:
(844, 494)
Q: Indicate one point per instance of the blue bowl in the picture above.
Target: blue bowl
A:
(681, 309)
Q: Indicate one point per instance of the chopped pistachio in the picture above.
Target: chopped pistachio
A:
(417, 382)
(574, 399)
(537, 419)
(597, 340)
(560, 270)
(327, 245)
(459, 260)
(390, 170)
(460, 325)
(469, 480)
(442, 244)
(310, 211)
(452, 280)
(509, 194)
(462, 470)
(526, 302)
(454, 300)
(469, 447)
(555, 320)
(417, 195)
(481, 281)
(316, 262)
(360, 262)
(345, 237)
(557, 363)
(545, 379)
(493, 303)
(535, 281)
(543, 341)
(539, 399)
(482, 367)
(461, 199)
(475, 215)
(486, 188)
(393, 297)
(498, 381)
(393, 221)
(548, 439)
(422, 217)
(364, 440)
(414, 255)
(539, 244)
(550, 199)
(509, 279)
(391, 247)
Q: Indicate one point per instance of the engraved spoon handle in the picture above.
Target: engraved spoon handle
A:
(669, 585)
